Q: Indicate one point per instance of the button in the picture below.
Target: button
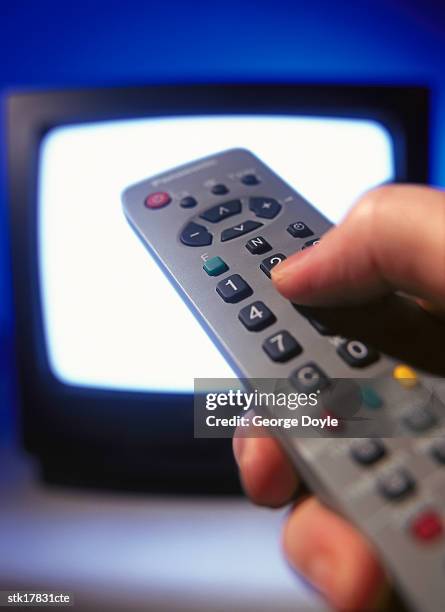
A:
(256, 316)
(357, 354)
(250, 179)
(371, 398)
(239, 230)
(188, 202)
(266, 208)
(438, 451)
(282, 346)
(219, 189)
(420, 419)
(367, 451)
(309, 243)
(258, 246)
(195, 235)
(222, 211)
(158, 199)
(405, 375)
(309, 378)
(299, 230)
(233, 289)
(215, 266)
(427, 526)
(396, 484)
(270, 262)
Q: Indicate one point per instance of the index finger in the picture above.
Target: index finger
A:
(394, 239)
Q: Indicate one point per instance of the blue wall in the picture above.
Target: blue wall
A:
(45, 44)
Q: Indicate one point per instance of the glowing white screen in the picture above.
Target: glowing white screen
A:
(111, 318)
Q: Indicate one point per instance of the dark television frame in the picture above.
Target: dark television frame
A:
(109, 438)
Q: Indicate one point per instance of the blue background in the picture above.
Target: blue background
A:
(46, 44)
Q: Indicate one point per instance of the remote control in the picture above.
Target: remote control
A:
(217, 227)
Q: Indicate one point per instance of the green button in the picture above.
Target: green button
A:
(371, 398)
(215, 266)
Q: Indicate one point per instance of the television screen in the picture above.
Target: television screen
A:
(111, 319)
(107, 349)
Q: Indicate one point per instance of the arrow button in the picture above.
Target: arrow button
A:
(196, 235)
(239, 230)
(222, 211)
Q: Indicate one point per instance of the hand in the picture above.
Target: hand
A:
(393, 239)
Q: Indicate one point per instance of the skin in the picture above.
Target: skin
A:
(392, 240)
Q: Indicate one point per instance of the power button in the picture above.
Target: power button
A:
(158, 199)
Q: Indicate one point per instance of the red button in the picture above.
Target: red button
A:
(427, 526)
(158, 199)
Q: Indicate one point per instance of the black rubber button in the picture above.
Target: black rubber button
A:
(195, 235)
(299, 230)
(282, 346)
(357, 354)
(258, 246)
(256, 316)
(309, 378)
(239, 230)
(420, 419)
(310, 243)
(188, 202)
(266, 208)
(396, 484)
(250, 179)
(438, 451)
(270, 262)
(219, 189)
(233, 289)
(222, 211)
(367, 451)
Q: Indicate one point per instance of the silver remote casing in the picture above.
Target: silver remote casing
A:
(416, 565)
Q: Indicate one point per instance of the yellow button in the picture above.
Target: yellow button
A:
(405, 376)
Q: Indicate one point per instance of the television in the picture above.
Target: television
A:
(105, 400)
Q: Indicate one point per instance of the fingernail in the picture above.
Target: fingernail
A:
(289, 266)
(239, 447)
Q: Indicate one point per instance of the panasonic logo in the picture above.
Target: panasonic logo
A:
(185, 172)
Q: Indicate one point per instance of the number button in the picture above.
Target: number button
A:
(233, 289)
(357, 354)
(282, 346)
(299, 230)
(256, 316)
(311, 243)
(270, 262)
